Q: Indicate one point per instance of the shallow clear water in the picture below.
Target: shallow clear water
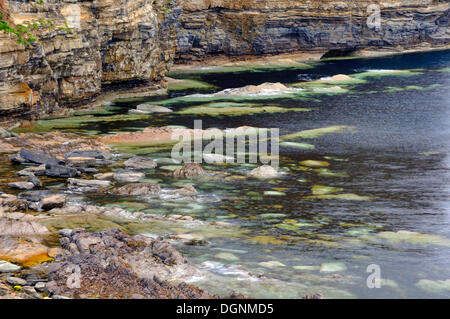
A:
(398, 154)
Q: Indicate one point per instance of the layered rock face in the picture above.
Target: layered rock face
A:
(93, 43)
(240, 27)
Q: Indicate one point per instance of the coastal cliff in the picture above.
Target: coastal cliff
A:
(97, 45)
(91, 44)
(255, 27)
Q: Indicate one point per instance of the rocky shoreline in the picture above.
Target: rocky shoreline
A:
(37, 262)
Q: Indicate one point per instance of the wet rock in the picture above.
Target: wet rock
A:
(88, 170)
(189, 170)
(89, 183)
(15, 281)
(128, 177)
(227, 256)
(333, 267)
(264, 172)
(137, 189)
(30, 291)
(21, 185)
(8, 267)
(12, 203)
(43, 200)
(5, 134)
(40, 286)
(53, 170)
(96, 154)
(149, 109)
(116, 265)
(140, 162)
(272, 264)
(26, 250)
(28, 156)
(33, 179)
(185, 191)
(262, 89)
(52, 201)
(35, 170)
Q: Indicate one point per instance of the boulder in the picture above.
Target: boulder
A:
(55, 170)
(189, 170)
(37, 157)
(138, 189)
(52, 201)
(128, 177)
(264, 172)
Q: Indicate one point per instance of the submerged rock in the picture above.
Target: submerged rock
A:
(140, 162)
(187, 190)
(264, 172)
(333, 267)
(149, 109)
(137, 189)
(128, 177)
(262, 89)
(89, 183)
(189, 170)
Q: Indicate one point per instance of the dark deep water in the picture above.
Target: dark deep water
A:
(398, 154)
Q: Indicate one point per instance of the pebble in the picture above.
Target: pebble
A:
(40, 286)
(15, 281)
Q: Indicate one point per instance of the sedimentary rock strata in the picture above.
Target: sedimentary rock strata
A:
(91, 44)
(254, 27)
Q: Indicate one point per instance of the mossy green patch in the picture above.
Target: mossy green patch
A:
(314, 133)
(237, 110)
(324, 190)
(188, 84)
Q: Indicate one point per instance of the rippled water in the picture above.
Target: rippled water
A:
(398, 154)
